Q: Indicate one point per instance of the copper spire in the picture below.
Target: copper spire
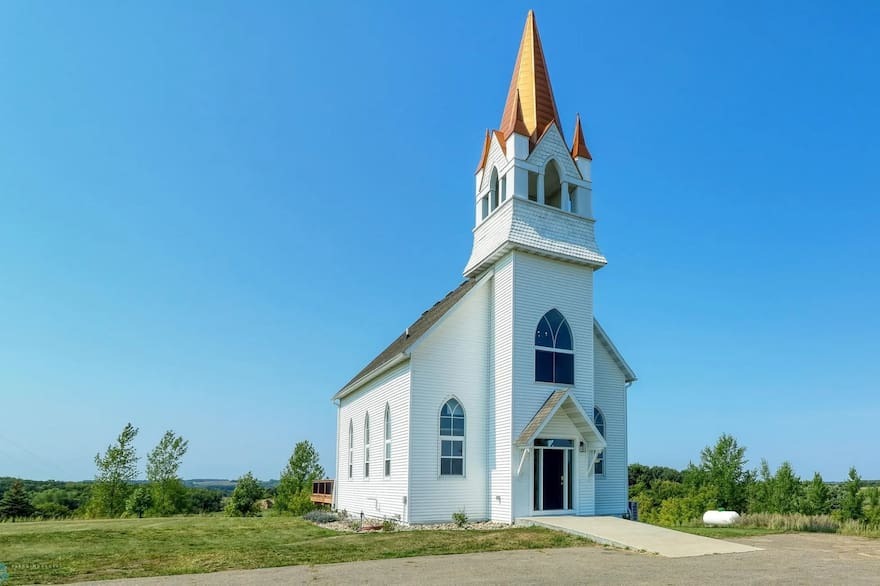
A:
(529, 88)
(485, 153)
(579, 145)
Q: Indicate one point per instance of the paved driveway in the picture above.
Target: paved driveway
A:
(785, 559)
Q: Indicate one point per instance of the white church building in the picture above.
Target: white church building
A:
(506, 399)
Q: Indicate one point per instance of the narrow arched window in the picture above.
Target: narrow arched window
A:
(367, 445)
(552, 185)
(452, 439)
(350, 447)
(494, 190)
(554, 350)
(387, 440)
(599, 421)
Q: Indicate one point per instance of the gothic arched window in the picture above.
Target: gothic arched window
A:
(367, 445)
(387, 440)
(554, 351)
(599, 421)
(350, 447)
(452, 439)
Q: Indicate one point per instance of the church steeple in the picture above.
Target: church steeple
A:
(530, 99)
(533, 192)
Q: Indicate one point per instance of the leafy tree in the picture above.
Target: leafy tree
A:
(818, 498)
(723, 466)
(139, 501)
(872, 495)
(167, 490)
(243, 502)
(786, 491)
(852, 500)
(294, 489)
(15, 503)
(760, 491)
(116, 471)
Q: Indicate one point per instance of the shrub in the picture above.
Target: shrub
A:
(460, 518)
(139, 502)
(321, 516)
(355, 524)
(389, 525)
(243, 501)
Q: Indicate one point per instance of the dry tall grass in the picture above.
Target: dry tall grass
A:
(811, 523)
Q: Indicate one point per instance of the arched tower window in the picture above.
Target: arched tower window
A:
(367, 445)
(350, 447)
(387, 440)
(452, 439)
(554, 351)
(599, 421)
(494, 190)
(552, 185)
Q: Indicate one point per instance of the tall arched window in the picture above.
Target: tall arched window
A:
(350, 447)
(367, 445)
(452, 439)
(554, 351)
(387, 440)
(599, 421)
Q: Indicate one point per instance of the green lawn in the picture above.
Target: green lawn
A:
(67, 551)
(728, 532)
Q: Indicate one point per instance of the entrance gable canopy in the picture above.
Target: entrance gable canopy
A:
(562, 399)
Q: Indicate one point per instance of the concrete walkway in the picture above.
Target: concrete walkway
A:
(638, 536)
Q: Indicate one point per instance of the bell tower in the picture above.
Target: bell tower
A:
(533, 192)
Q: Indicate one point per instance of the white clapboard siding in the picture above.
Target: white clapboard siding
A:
(450, 361)
(500, 453)
(541, 284)
(610, 388)
(377, 496)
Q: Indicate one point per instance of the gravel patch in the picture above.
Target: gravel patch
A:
(349, 526)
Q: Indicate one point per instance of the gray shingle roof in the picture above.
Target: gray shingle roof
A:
(413, 332)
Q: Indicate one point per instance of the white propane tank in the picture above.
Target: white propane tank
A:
(720, 517)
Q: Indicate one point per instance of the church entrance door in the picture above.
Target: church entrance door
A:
(552, 481)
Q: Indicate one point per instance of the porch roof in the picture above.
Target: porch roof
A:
(562, 399)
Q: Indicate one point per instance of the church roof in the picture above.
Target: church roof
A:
(530, 95)
(409, 336)
(420, 327)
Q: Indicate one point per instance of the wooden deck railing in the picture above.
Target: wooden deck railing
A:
(322, 492)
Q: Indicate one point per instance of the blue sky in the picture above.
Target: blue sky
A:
(212, 215)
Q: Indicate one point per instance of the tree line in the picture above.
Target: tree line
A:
(115, 492)
(721, 480)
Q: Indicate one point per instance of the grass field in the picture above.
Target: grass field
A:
(727, 532)
(68, 551)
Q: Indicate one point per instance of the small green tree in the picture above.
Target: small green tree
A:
(295, 487)
(243, 502)
(116, 471)
(759, 494)
(723, 466)
(163, 463)
(872, 514)
(16, 503)
(786, 491)
(139, 501)
(852, 500)
(817, 500)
